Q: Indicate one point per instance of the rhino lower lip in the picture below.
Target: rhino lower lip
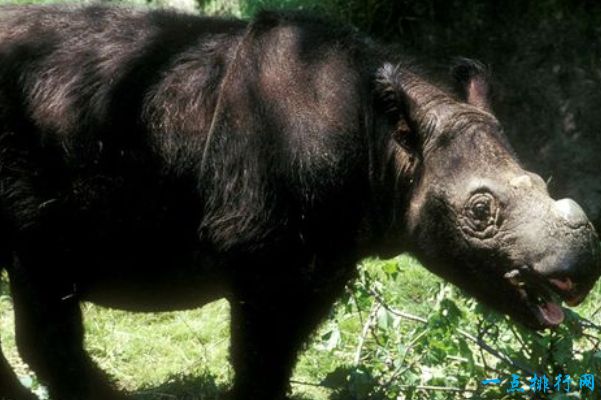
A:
(548, 312)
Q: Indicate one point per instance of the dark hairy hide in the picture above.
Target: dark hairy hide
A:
(210, 112)
(147, 151)
(151, 160)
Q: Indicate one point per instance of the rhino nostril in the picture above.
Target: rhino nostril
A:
(571, 213)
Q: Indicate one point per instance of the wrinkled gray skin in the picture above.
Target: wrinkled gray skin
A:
(481, 221)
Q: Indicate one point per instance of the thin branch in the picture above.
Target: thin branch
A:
(416, 387)
(496, 353)
(464, 360)
(356, 301)
(479, 342)
(438, 388)
(396, 312)
(400, 370)
(368, 322)
(481, 332)
(594, 340)
(523, 345)
(151, 392)
(374, 333)
(589, 324)
(295, 382)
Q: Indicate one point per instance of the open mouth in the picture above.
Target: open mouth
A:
(542, 295)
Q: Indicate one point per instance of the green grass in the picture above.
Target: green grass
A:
(148, 353)
(164, 346)
(151, 354)
(184, 355)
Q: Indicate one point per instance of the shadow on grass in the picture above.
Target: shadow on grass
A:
(187, 387)
(184, 387)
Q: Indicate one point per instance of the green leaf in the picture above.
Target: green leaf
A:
(385, 319)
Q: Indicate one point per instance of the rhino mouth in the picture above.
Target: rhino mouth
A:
(543, 295)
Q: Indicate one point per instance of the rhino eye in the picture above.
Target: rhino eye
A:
(480, 215)
(481, 210)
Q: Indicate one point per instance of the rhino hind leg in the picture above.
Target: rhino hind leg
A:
(50, 336)
(10, 387)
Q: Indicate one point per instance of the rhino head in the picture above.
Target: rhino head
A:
(471, 213)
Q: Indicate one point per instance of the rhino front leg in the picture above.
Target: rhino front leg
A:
(49, 335)
(270, 323)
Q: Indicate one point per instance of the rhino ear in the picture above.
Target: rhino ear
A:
(411, 99)
(389, 89)
(395, 103)
(473, 78)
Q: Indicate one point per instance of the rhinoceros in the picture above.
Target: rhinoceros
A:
(153, 160)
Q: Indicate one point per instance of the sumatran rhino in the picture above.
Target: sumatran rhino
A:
(158, 161)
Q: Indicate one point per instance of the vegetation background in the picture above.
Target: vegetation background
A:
(401, 333)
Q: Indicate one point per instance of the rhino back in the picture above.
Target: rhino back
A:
(83, 75)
